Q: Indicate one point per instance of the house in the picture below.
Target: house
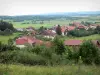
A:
(76, 24)
(69, 28)
(73, 42)
(77, 43)
(81, 27)
(48, 34)
(20, 29)
(63, 29)
(22, 41)
(30, 28)
(93, 26)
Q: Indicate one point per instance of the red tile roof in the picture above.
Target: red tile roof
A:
(26, 39)
(81, 27)
(73, 42)
(63, 28)
(69, 28)
(21, 41)
(77, 24)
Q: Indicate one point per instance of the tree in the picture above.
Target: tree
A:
(10, 41)
(58, 30)
(6, 25)
(97, 30)
(89, 52)
(59, 46)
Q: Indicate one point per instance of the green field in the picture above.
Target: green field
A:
(91, 37)
(51, 23)
(46, 24)
(4, 39)
(48, 70)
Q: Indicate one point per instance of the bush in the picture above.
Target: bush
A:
(81, 33)
(59, 46)
(7, 47)
(37, 49)
(89, 52)
(7, 57)
(25, 57)
(5, 25)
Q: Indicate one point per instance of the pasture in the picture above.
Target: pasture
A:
(50, 23)
(91, 37)
(4, 39)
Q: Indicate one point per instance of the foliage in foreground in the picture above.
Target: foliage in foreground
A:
(89, 53)
(57, 54)
(48, 70)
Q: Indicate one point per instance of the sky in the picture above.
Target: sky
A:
(31, 7)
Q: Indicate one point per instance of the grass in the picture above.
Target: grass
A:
(46, 24)
(48, 70)
(4, 39)
(61, 21)
(91, 37)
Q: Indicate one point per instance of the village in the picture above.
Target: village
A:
(31, 36)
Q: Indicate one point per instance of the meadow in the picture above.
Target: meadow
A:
(4, 39)
(91, 37)
(50, 23)
(48, 70)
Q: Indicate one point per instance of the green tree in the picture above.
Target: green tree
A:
(97, 30)
(59, 46)
(5, 25)
(58, 30)
(89, 52)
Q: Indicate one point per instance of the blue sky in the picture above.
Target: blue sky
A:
(25, 7)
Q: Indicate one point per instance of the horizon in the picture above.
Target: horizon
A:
(38, 7)
(52, 13)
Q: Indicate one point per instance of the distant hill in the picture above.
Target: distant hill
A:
(49, 16)
(84, 13)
